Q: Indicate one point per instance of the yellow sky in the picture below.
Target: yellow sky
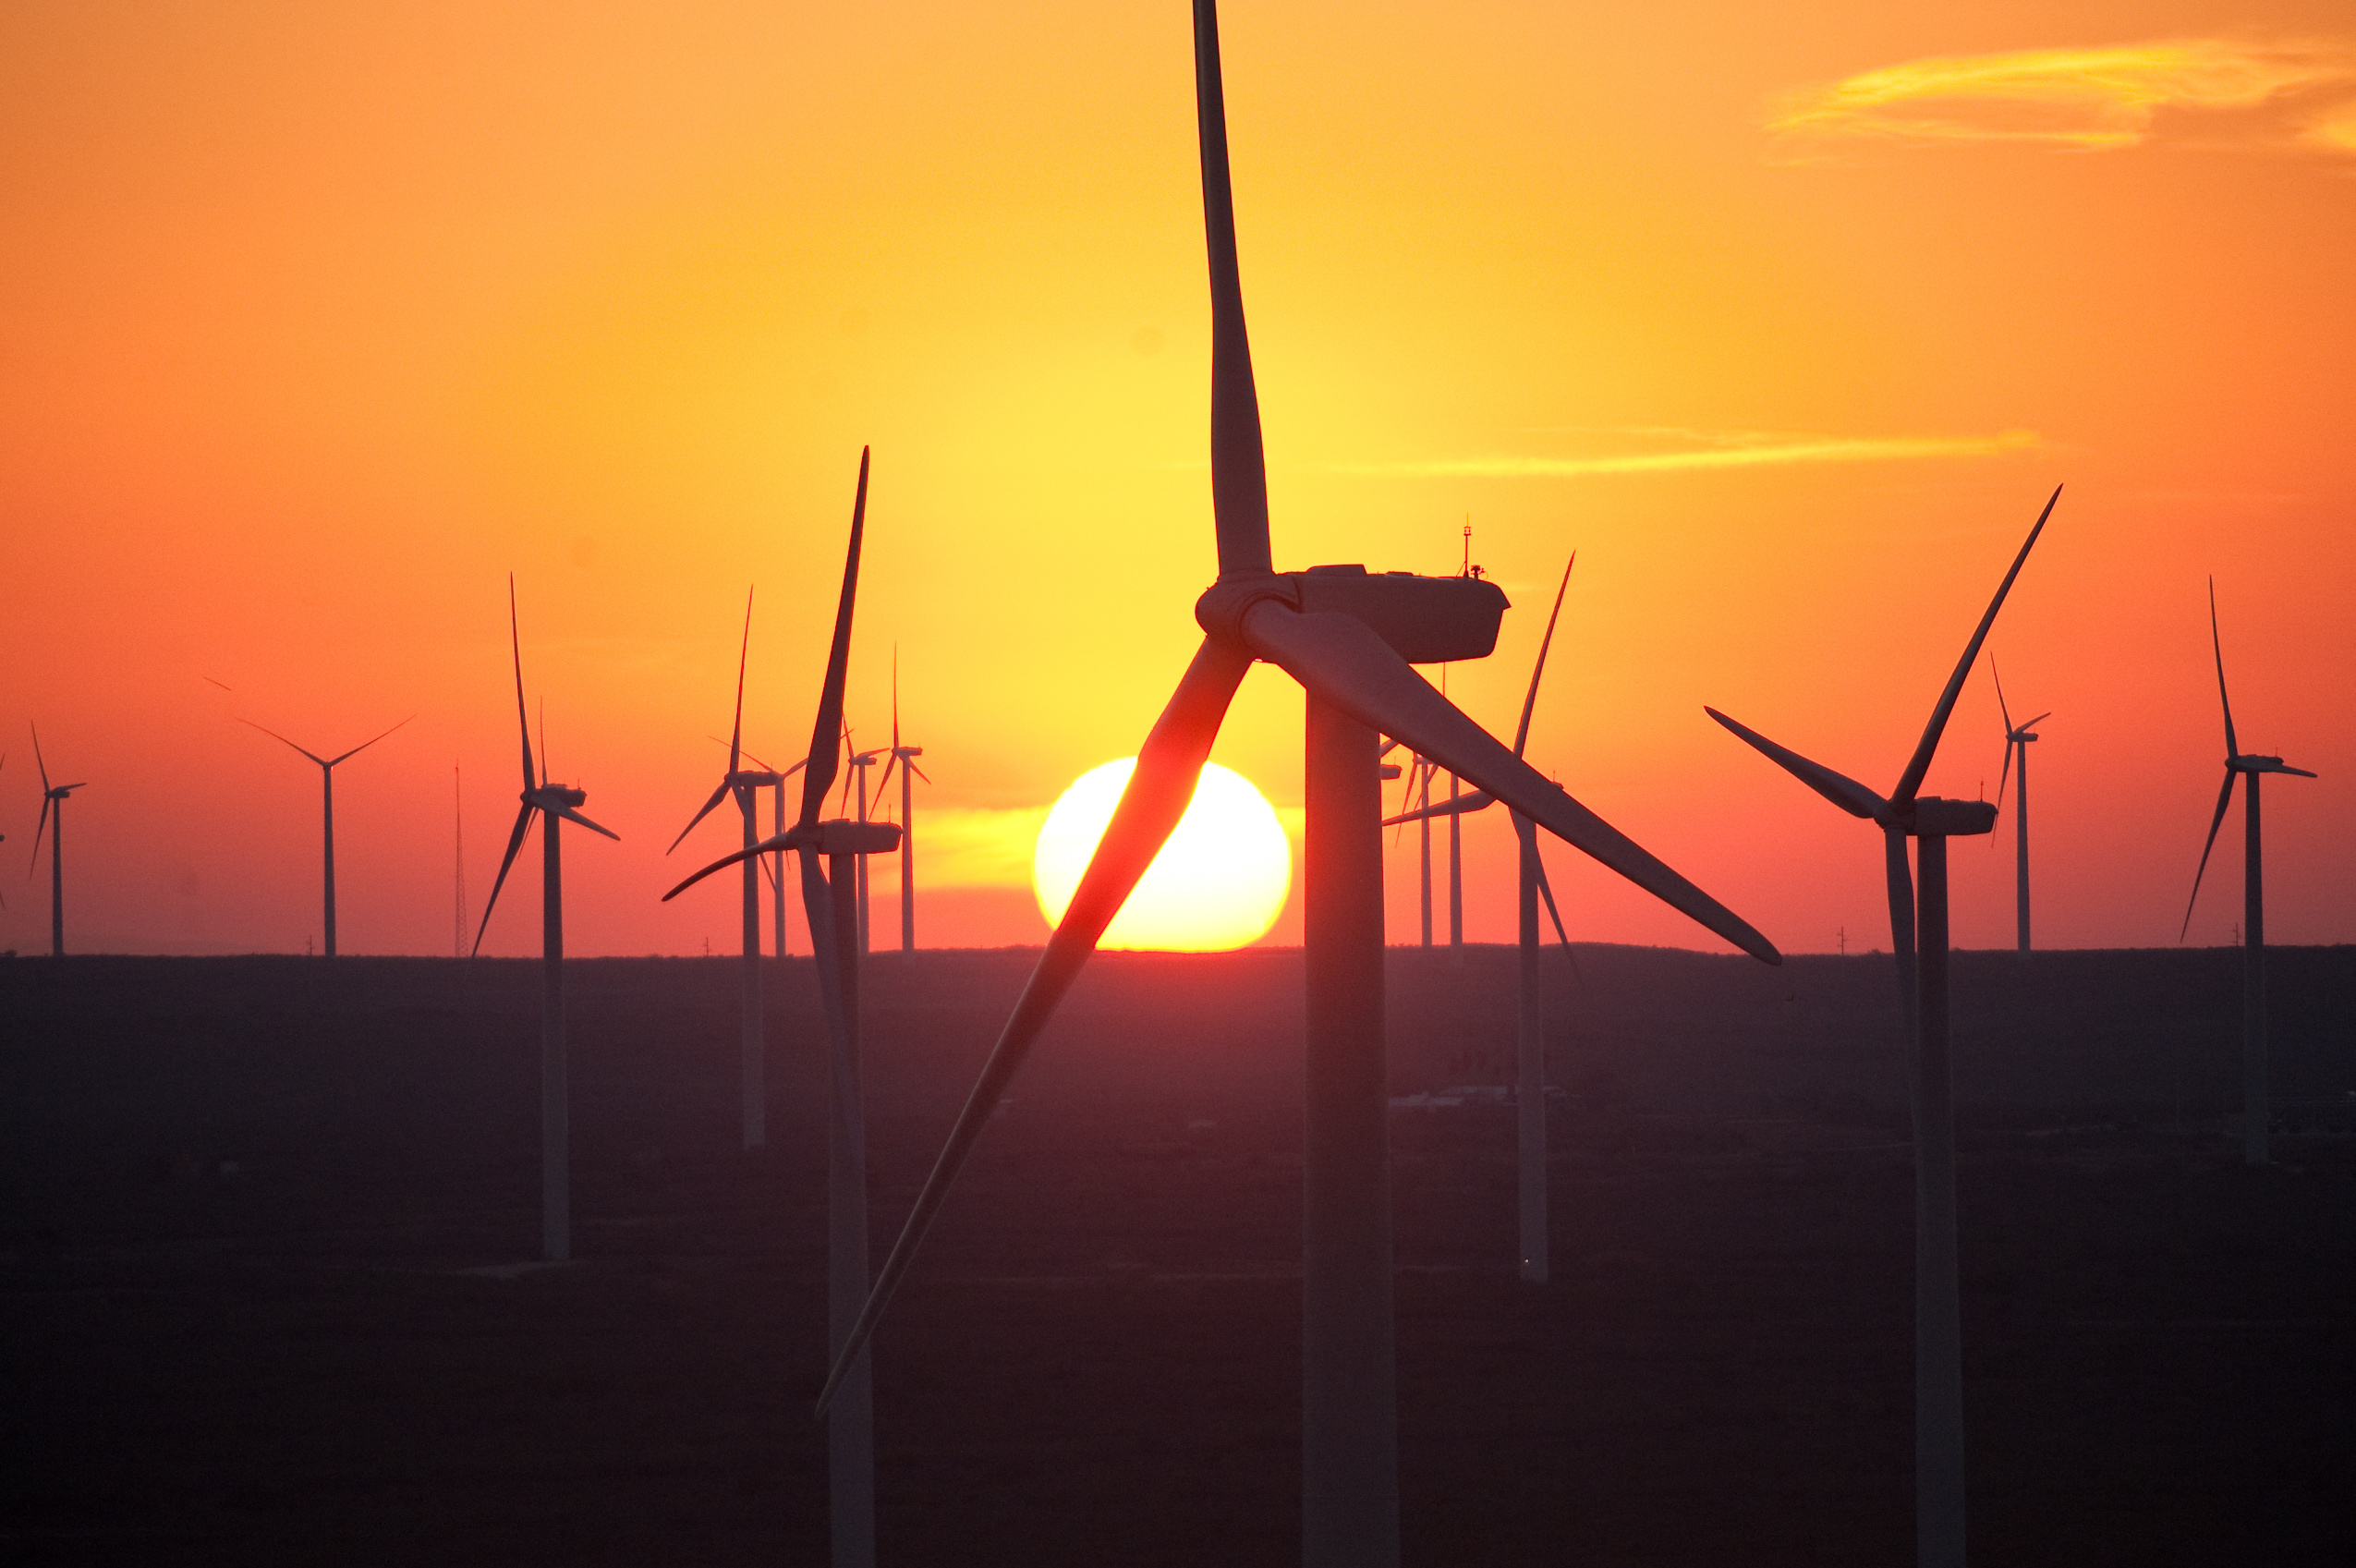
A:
(322, 320)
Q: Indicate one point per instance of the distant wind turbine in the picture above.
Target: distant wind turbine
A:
(2017, 739)
(2255, 1099)
(1921, 977)
(830, 903)
(1349, 638)
(327, 809)
(53, 800)
(744, 787)
(904, 759)
(1530, 1064)
(558, 804)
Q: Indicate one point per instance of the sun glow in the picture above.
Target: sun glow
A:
(1219, 884)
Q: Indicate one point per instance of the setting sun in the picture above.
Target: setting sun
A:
(1219, 884)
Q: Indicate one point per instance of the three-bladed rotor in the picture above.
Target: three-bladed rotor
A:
(1350, 636)
(539, 795)
(2237, 762)
(51, 795)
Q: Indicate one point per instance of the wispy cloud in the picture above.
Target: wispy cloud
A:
(2089, 100)
(2334, 130)
(977, 846)
(1703, 449)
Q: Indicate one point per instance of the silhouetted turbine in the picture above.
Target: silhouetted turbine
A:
(1530, 1043)
(53, 802)
(744, 786)
(556, 803)
(2255, 1113)
(1349, 638)
(904, 759)
(327, 812)
(2017, 739)
(1930, 822)
(830, 903)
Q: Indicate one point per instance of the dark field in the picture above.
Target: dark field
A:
(254, 1216)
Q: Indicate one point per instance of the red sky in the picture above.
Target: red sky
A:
(320, 322)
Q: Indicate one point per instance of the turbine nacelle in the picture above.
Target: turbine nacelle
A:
(756, 781)
(555, 798)
(1424, 620)
(2263, 765)
(1935, 818)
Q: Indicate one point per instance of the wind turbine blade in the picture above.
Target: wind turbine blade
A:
(38, 760)
(2040, 719)
(2002, 775)
(1546, 892)
(1479, 800)
(515, 842)
(2217, 643)
(1919, 763)
(896, 697)
(2300, 771)
(1341, 661)
(572, 816)
(2224, 800)
(736, 735)
(918, 772)
(1530, 700)
(1838, 788)
(889, 762)
(1899, 879)
(523, 721)
(47, 801)
(360, 747)
(1238, 467)
(2001, 708)
(769, 845)
(825, 757)
(709, 806)
(284, 741)
(1169, 766)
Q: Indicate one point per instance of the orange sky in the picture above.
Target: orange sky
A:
(321, 320)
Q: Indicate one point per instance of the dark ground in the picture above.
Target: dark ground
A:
(252, 1215)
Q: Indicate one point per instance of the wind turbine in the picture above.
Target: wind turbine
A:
(2017, 739)
(829, 902)
(742, 784)
(1920, 917)
(904, 759)
(327, 808)
(52, 799)
(2254, 907)
(558, 804)
(775, 869)
(855, 790)
(1530, 1012)
(1349, 637)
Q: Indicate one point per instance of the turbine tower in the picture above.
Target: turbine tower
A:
(53, 802)
(1530, 1012)
(829, 902)
(744, 785)
(1349, 637)
(904, 759)
(1918, 937)
(2254, 906)
(557, 804)
(327, 811)
(2017, 739)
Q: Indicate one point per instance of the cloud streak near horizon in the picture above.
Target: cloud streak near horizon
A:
(1741, 450)
(2090, 100)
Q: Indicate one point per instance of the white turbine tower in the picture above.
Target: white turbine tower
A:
(558, 804)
